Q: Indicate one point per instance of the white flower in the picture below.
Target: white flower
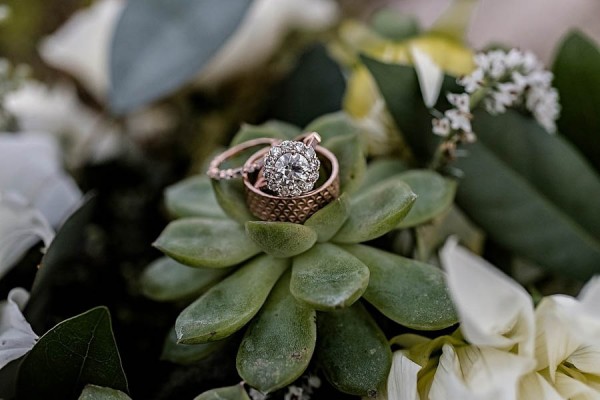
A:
(441, 126)
(459, 121)
(16, 335)
(460, 101)
(473, 81)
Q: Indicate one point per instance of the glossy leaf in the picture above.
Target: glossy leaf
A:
(376, 211)
(351, 159)
(186, 354)
(231, 198)
(379, 170)
(327, 277)
(281, 239)
(577, 78)
(159, 45)
(328, 220)
(236, 392)
(279, 343)
(193, 197)
(167, 280)
(411, 293)
(352, 350)
(231, 303)
(533, 193)
(93, 392)
(206, 242)
(435, 195)
(78, 351)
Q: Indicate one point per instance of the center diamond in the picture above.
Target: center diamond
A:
(290, 168)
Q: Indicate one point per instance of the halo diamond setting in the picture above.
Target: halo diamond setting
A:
(291, 168)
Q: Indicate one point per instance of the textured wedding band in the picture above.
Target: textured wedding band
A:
(296, 209)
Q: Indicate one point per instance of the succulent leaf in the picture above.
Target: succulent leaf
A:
(351, 160)
(235, 392)
(334, 125)
(328, 220)
(379, 170)
(281, 239)
(250, 132)
(186, 354)
(193, 197)
(230, 196)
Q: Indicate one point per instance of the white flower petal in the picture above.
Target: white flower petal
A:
(16, 335)
(590, 297)
(571, 388)
(402, 381)
(534, 386)
(474, 373)
(493, 309)
(430, 75)
(587, 359)
(80, 47)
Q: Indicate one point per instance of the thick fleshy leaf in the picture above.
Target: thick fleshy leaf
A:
(281, 239)
(577, 79)
(435, 196)
(78, 351)
(93, 392)
(409, 292)
(167, 280)
(230, 304)
(514, 190)
(16, 335)
(353, 351)
(377, 211)
(351, 159)
(206, 242)
(193, 197)
(158, 45)
(328, 220)
(236, 392)
(231, 198)
(279, 343)
(327, 277)
(494, 311)
(186, 354)
(334, 125)
(379, 170)
(250, 132)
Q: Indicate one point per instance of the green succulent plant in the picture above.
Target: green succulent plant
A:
(299, 288)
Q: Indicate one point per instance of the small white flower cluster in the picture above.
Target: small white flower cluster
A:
(515, 78)
(303, 392)
(505, 79)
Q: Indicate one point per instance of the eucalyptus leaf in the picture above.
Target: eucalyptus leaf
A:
(411, 293)
(328, 220)
(281, 239)
(193, 197)
(279, 343)
(231, 303)
(78, 351)
(379, 170)
(327, 277)
(376, 211)
(206, 242)
(577, 78)
(93, 392)
(352, 350)
(351, 159)
(186, 354)
(167, 280)
(435, 195)
(158, 45)
(533, 193)
(236, 392)
(230, 196)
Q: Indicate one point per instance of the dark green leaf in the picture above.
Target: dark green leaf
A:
(205, 242)
(435, 195)
(231, 303)
(327, 277)
(78, 351)
(281, 239)
(353, 351)
(93, 392)
(279, 343)
(167, 280)
(186, 354)
(577, 78)
(158, 45)
(376, 211)
(411, 293)
(236, 392)
(328, 220)
(533, 193)
(193, 197)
